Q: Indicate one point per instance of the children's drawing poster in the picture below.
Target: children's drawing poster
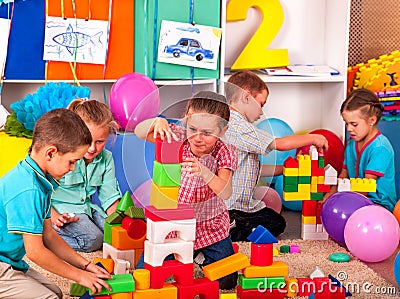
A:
(190, 45)
(75, 40)
(4, 33)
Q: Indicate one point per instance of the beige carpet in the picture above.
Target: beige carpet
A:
(363, 282)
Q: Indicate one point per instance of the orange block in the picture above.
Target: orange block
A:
(277, 268)
(168, 291)
(107, 263)
(164, 197)
(120, 45)
(121, 240)
(226, 266)
(142, 279)
(122, 295)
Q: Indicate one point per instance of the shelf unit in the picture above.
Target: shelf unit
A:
(314, 32)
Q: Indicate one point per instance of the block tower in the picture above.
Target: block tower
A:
(305, 178)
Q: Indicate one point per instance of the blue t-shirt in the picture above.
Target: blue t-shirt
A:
(377, 158)
(24, 204)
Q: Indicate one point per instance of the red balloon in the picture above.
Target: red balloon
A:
(334, 155)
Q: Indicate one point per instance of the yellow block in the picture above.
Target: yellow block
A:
(290, 171)
(164, 197)
(275, 251)
(362, 185)
(168, 291)
(142, 279)
(304, 165)
(227, 296)
(108, 264)
(278, 268)
(226, 266)
(308, 219)
(12, 150)
(291, 287)
(321, 180)
(314, 184)
(296, 195)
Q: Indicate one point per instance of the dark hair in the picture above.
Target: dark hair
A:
(61, 128)
(246, 80)
(93, 112)
(364, 100)
(212, 103)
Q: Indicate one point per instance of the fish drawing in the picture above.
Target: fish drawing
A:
(72, 40)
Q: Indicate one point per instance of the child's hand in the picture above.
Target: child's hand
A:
(162, 129)
(195, 168)
(94, 281)
(59, 220)
(320, 141)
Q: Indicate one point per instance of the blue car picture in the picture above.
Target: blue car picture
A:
(191, 47)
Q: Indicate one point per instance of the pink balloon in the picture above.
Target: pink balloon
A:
(372, 233)
(134, 98)
(270, 197)
(141, 195)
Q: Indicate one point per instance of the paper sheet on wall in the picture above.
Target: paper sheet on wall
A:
(4, 33)
(190, 45)
(75, 40)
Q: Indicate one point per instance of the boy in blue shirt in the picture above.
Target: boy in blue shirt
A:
(60, 138)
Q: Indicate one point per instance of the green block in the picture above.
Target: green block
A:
(276, 282)
(107, 231)
(120, 283)
(304, 180)
(167, 175)
(317, 196)
(284, 249)
(76, 290)
(115, 218)
(125, 202)
(205, 12)
(321, 162)
(252, 283)
(290, 180)
(135, 212)
(290, 188)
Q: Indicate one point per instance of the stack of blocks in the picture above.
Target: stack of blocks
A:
(306, 178)
(264, 278)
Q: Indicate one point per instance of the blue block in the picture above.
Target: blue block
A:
(338, 284)
(261, 235)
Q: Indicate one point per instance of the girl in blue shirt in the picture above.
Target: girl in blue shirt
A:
(74, 216)
(368, 153)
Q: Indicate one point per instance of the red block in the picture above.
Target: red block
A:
(337, 292)
(291, 162)
(322, 288)
(261, 254)
(136, 228)
(184, 211)
(168, 153)
(306, 286)
(268, 293)
(183, 273)
(204, 287)
(315, 170)
(323, 188)
(235, 247)
(309, 208)
(319, 208)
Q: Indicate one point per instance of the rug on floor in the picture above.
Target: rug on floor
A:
(361, 280)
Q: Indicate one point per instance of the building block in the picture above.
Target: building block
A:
(321, 161)
(154, 254)
(305, 286)
(323, 188)
(157, 231)
(308, 219)
(107, 264)
(261, 254)
(362, 185)
(308, 228)
(278, 268)
(120, 283)
(107, 231)
(314, 183)
(304, 165)
(125, 202)
(291, 287)
(168, 291)
(112, 252)
(315, 170)
(167, 175)
(290, 180)
(330, 172)
(228, 296)
(343, 185)
(294, 248)
(275, 282)
(290, 171)
(183, 273)
(321, 180)
(135, 228)
(261, 235)
(115, 218)
(121, 240)
(322, 288)
(284, 249)
(76, 290)
(317, 272)
(260, 294)
(138, 254)
(120, 296)
(309, 208)
(290, 188)
(252, 283)
(304, 179)
(291, 162)
(121, 266)
(317, 196)
(134, 212)
(168, 153)
(226, 266)
(313, 152)
(86, 295)
(314, 235)
(164, 197)
(142, 279)
(337, 283)
(184, 211)
(205, 288)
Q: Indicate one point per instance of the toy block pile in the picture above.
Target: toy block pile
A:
(356, 185)
(306, 178)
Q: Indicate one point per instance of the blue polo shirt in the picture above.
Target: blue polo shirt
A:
(377, 158)
(25, 194)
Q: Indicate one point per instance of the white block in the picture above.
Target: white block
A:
(330, 180)
(154, 254)
(320, 228)
(314, 236)
(116, 254)
(343, 185)
(317, 272)
(313, 152)
(308, 228)
(330, 171)
(157, 231)
(121, 266)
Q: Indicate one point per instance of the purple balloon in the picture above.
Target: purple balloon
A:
(336, 211)
(133, 98)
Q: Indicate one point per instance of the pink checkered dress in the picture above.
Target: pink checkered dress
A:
(212, 217)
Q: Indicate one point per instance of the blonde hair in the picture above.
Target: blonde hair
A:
(94, 112)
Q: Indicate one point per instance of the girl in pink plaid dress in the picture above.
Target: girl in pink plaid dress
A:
(207, 168)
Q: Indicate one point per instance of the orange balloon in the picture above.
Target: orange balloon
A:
(396, 211)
